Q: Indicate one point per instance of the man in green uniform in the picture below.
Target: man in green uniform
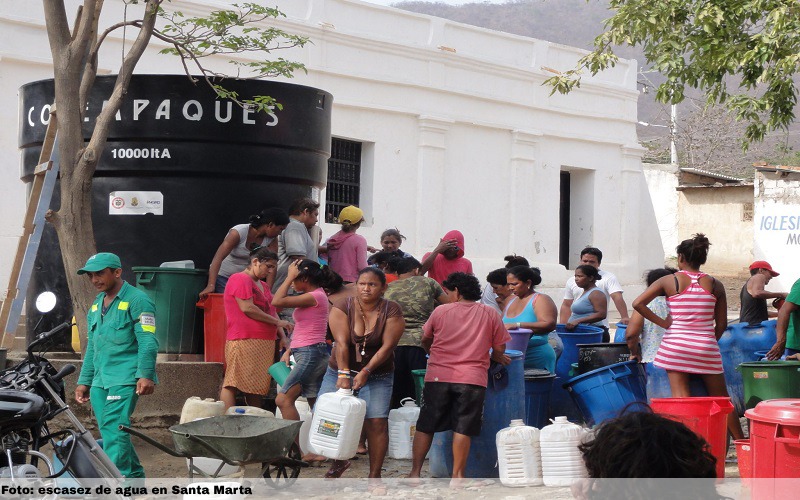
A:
(120, 360)
(788, 327)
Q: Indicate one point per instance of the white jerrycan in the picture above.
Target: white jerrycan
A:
(402, 425)
(336, 424)
(305, 416)
(518, 455)
(562, 463)
(195, 408)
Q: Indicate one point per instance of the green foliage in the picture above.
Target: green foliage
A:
(242, 29)
(741, 53)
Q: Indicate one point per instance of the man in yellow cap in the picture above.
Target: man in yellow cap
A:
(120, 361)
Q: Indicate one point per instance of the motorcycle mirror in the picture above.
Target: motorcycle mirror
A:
(46, 302)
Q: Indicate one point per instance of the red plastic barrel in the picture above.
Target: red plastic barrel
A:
(215, 327)
(744, 457)
(706, 416)
(775, 438)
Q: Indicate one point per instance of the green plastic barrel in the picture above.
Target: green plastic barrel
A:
(765, 380)
(174, 292)
(419, 383)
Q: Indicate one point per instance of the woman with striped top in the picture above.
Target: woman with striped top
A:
(697, 318)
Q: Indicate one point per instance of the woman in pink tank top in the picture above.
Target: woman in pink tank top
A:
(308, 344)
(697, 318)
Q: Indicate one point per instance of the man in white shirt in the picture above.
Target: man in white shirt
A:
(608, 283)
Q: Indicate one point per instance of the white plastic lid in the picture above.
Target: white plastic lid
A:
(560, 420)
(517, 422)
(409, 402)
(345, 392)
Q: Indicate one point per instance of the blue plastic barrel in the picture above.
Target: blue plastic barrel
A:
(603, 393)
(619, 333)
(500, 407)
(538, 386)
(737, 345)
(561, 403)
(658, 383)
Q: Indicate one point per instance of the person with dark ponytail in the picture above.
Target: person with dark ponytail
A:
(590, 307)
(698, 312)
(308, 337)
(531, 310)
(233, 254)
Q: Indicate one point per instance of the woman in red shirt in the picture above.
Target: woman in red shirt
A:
(253, 328)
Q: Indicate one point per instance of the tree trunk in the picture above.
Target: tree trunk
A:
(73, 220)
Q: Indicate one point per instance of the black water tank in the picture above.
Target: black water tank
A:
(212, 162)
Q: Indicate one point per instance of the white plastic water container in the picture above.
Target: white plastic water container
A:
(402, 426)
(519, 455)
(562, 463)
(249, 410)
(195, 408)
(305, 416)
(336, 426)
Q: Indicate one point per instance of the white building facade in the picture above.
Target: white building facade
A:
(455, 127)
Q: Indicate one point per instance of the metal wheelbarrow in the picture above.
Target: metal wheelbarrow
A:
(238, 440)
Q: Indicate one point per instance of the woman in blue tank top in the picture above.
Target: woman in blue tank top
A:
(591, 307)
(533, 311)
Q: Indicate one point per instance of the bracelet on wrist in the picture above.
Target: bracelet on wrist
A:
(369, 372)
(341, 375)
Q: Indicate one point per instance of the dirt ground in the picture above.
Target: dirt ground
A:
(158, 464)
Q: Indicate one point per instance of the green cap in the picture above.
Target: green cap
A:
(100, 261)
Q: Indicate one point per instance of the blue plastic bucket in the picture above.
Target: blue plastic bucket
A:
(658, 383)
(538, 386)
(737, 345)
(603, 393)
(561, 403)
(499, 408)
(619, 333)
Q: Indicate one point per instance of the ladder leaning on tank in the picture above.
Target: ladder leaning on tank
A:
(44, 181)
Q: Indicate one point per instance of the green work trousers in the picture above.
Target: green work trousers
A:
(113, 407)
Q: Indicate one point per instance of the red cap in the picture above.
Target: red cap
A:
(763, 264)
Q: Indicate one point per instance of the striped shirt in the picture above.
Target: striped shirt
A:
(689, 345)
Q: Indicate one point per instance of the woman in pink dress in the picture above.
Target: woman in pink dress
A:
(697, 319)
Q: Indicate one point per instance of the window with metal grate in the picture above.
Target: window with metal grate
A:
(344, 177)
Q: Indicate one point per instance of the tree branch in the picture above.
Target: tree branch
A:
(88, 162)
(57, 27)
(90, 66)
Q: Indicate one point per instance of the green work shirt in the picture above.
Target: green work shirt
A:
(122, 345)
(793, 331)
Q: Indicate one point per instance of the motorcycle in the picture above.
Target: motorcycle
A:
(31, 396)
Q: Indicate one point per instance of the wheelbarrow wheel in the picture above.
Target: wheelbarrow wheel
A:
(280, 474)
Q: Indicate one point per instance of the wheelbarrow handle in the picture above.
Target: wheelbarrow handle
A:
(210, 448)
(152, 441)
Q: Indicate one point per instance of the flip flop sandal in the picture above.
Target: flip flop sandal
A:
(337, 470)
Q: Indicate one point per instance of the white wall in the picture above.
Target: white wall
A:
(662, 179)
(776, 225)
(459, 132)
